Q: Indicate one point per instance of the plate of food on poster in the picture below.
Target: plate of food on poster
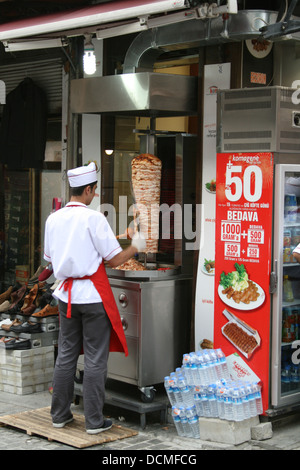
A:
(211, 186)
(208, 267)
(237, 291)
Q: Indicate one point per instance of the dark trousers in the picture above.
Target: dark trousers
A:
(89, 327)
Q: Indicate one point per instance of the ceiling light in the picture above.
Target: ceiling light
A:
(89, 58)
(32, 45)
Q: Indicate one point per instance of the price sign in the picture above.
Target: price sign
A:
(230, 231)
(232, 249)
(256, 236)
(253, 252)
(244, 198)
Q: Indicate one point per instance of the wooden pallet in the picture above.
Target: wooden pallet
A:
(38, 422)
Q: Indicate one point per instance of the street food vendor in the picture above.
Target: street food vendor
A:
(77, 241)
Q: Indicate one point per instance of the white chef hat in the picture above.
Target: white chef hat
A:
(82, 175)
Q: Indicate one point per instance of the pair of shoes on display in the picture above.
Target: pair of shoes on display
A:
(32, 298)
(8, 326)
(17, 299)
(47, 311)
(18, 326)
(7, 321)
(26, 327)
(18, 344)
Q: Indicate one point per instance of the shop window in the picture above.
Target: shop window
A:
(15, 226)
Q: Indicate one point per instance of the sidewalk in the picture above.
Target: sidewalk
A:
(155, 437)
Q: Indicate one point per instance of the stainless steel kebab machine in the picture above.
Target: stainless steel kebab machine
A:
(155, 304)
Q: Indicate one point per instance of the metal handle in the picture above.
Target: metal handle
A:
(124, 323)
(274, 279)
(123, 299)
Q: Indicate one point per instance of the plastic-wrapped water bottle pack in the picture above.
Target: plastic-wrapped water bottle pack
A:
(202, 387)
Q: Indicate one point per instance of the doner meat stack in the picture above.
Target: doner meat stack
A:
(146, 179)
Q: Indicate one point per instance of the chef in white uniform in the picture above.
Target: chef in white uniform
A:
(77, 240)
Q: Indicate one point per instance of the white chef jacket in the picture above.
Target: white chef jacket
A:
(81, 254)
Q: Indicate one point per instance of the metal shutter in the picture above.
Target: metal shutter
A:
(45, 73)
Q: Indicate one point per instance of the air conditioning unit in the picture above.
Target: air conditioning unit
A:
(258, 119)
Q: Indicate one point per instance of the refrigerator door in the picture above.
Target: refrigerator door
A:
(285, 368)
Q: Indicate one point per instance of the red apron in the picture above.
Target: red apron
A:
(101, 283)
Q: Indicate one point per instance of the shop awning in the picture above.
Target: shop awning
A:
(88, 17)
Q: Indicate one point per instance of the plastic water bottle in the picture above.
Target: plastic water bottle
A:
(220, 402)
(252, 400)
(245, 401)
(186, 364)
(198, 401)
(177, 420)
(214, 363)
(176, 392)
(202, 369)
(208, 365)
(228, 413)
(193, 421)
(187, 432)
(258, 398)
(204, 400)
(168, 383)
(194, 379)
(212, 400)
(186, 391)
(237, 405)
(223, 368)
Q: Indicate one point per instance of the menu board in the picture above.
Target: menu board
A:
(244, 195)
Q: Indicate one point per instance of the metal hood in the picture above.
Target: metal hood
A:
(139, 94)
(146, 48)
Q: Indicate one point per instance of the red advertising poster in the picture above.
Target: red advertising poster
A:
(244, 195)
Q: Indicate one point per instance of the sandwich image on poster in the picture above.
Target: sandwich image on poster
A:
(243, 337)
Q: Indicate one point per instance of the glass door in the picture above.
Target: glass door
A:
(286, 299)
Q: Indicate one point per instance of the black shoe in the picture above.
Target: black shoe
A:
(105, 427)
(18, 344)
(27, 327)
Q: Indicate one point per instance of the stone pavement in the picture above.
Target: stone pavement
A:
(156, 437)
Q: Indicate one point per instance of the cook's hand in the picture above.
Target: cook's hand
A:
(128, 234)
(139, 241)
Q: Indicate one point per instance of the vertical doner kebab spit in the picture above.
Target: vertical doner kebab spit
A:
(146, 180)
